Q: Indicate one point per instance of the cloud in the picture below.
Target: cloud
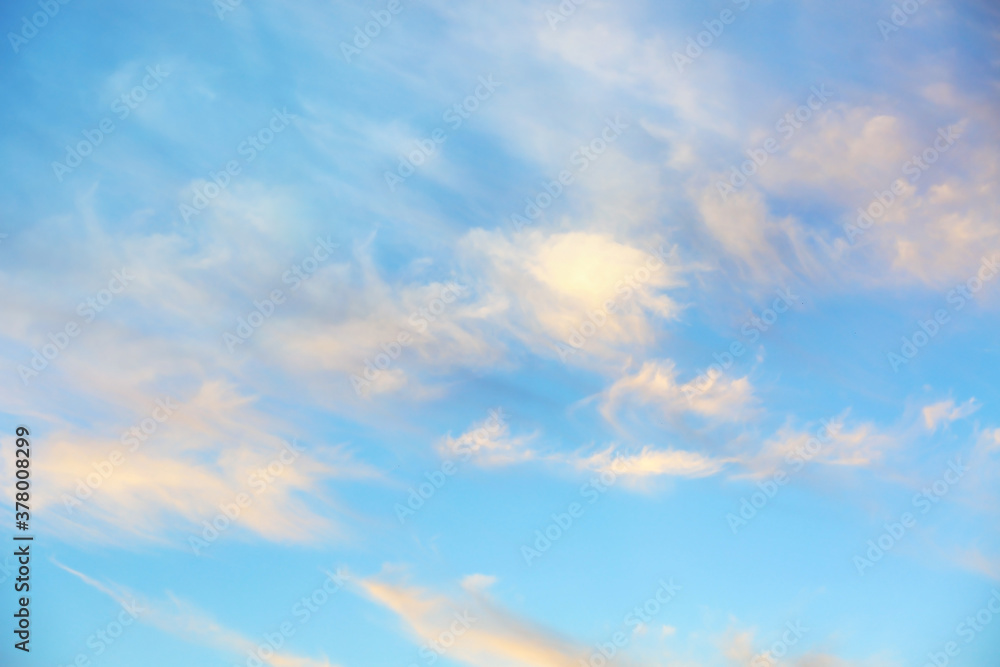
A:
(768, 250)
(651, 462)
(975, 560)
(861, 445)
(563, 283)
(489, 443)
(945, 412)
(988, 442)
(741, 647)
(655, 384)
(844, 151)
(476, 583)
(191, 624)
(934, 230)
(164, 477)
(381, 335)
(472, 628)
(832, 443)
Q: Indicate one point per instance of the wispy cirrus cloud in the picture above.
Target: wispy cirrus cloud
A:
(655, 385)
(191, 624)
(481, 632)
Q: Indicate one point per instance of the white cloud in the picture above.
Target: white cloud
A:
(489, 443)
(655, 384)
(483, 633)
(162, 478)
(651, 462)
(945, 412)
(560, 279)
(862, 445)
(843, 152)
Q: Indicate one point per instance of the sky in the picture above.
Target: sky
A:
(498, 334)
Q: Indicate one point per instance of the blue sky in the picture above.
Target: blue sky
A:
(508, 334)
